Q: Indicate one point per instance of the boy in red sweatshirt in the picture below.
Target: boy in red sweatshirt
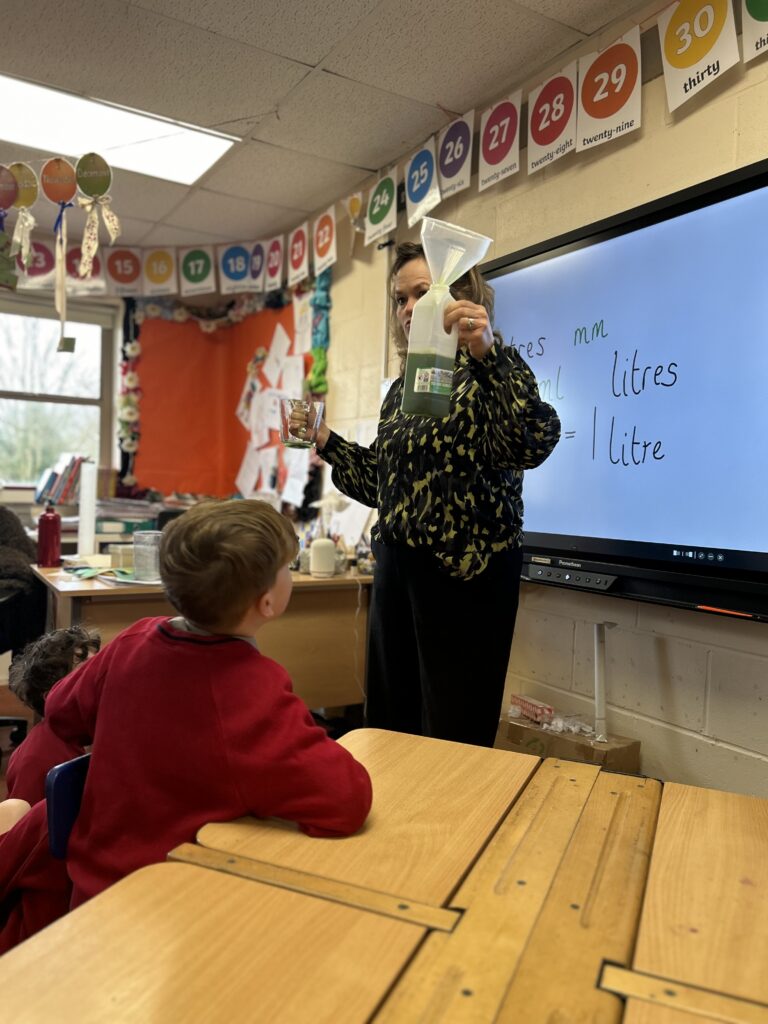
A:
(189, 722)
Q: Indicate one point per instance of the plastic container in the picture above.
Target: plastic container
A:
(49, 538)
(322, 558)
(146, 555)
(450, 251)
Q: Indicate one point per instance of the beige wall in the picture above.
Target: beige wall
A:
(692, 687)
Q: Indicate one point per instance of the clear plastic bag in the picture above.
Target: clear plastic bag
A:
(450, 251)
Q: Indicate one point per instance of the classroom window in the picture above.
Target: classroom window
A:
(53, 402)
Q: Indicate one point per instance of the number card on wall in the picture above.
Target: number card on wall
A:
(609, 92)
(298, 255)
(422, 192)
(552, 119)
(698, 43)
(95, 284)
(381, 215)
(40, 272)
(500, 142)
(273, 277)
(234, 262)
(754, 28)
(123, 271)
(159, 272)
(197, 270)
(258, 266)
(454, 155)
(324, 240)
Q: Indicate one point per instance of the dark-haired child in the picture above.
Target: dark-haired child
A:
(31, 676)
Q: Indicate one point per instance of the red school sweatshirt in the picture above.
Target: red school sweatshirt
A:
(188, 729)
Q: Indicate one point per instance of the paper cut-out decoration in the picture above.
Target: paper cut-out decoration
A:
(9, 189)
(58, 182)
(94, 177)
(26, 196)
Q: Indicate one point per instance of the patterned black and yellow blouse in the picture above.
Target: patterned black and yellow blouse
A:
(453, 486)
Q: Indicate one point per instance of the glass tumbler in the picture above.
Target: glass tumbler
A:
(146, 555)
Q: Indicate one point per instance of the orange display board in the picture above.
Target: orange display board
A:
(191, 440)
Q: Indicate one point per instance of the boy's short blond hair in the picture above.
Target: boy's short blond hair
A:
(220, 556)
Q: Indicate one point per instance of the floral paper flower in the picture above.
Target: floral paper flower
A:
(131, 379)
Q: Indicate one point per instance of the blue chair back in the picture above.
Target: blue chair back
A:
(64, 785)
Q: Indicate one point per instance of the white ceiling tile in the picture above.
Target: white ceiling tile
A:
(293, 28)
(230, 217)
(585, 15)
(165, 234)
(502, 43)
(355, 124)
(109, 50)
(270, 174)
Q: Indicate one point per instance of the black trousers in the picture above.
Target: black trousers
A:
(438, 647)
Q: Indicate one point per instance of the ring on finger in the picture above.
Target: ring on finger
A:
(470, 324)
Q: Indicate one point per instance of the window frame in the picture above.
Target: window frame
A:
(105, 313)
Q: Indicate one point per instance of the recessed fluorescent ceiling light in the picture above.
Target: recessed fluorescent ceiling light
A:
(62, 124)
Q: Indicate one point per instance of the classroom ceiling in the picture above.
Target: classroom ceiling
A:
(320, 93)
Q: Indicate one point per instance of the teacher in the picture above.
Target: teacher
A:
(447, 542)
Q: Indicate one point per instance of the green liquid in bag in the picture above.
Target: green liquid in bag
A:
(427, 385)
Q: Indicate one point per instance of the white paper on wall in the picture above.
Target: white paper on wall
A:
(278, 350)
(292, 382)
(248, 474)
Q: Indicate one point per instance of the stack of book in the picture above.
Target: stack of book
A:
(61, 484)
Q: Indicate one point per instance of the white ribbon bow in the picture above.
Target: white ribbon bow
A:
(92, 204)
(22, 240)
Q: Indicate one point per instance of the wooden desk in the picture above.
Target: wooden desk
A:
(175, 944)
(320, 640)
(435, 806)
(702, 944)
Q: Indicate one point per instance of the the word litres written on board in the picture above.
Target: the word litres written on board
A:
(550, 388)
(630, 378)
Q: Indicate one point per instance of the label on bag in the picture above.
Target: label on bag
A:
(433, 381)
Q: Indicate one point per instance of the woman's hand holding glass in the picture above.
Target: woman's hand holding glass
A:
(302, 422)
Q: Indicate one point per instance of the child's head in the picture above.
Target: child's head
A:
(47, 660)
(220, 557)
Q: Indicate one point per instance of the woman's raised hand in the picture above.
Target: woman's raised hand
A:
(475, 333)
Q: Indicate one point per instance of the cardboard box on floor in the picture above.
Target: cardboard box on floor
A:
(619, 754)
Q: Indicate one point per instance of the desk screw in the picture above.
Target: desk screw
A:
(467, 992)
(403, 906)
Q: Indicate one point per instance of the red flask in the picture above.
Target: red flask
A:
(49, 538)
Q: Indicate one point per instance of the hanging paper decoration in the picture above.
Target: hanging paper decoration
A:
(8, 192)
(298, 255)
(94, 284)
(59, 184)
(160, 272)
(123, 271)
(234, 263)
(552, 119)
(9, 189)
(317, 382)
(94, 177)
(274, 270)
(382, 208)
(422, 192)
(698, 44)
(26, 196)
(609, 92)
(39, 271)
(197, 270)
(499, 142)
(324, 241)
(454, 155)
(754, 28)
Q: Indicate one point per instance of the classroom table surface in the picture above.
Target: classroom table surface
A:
(435, 806)
(176, 944)
(62, 582)
(320, 640)
(557, 892)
